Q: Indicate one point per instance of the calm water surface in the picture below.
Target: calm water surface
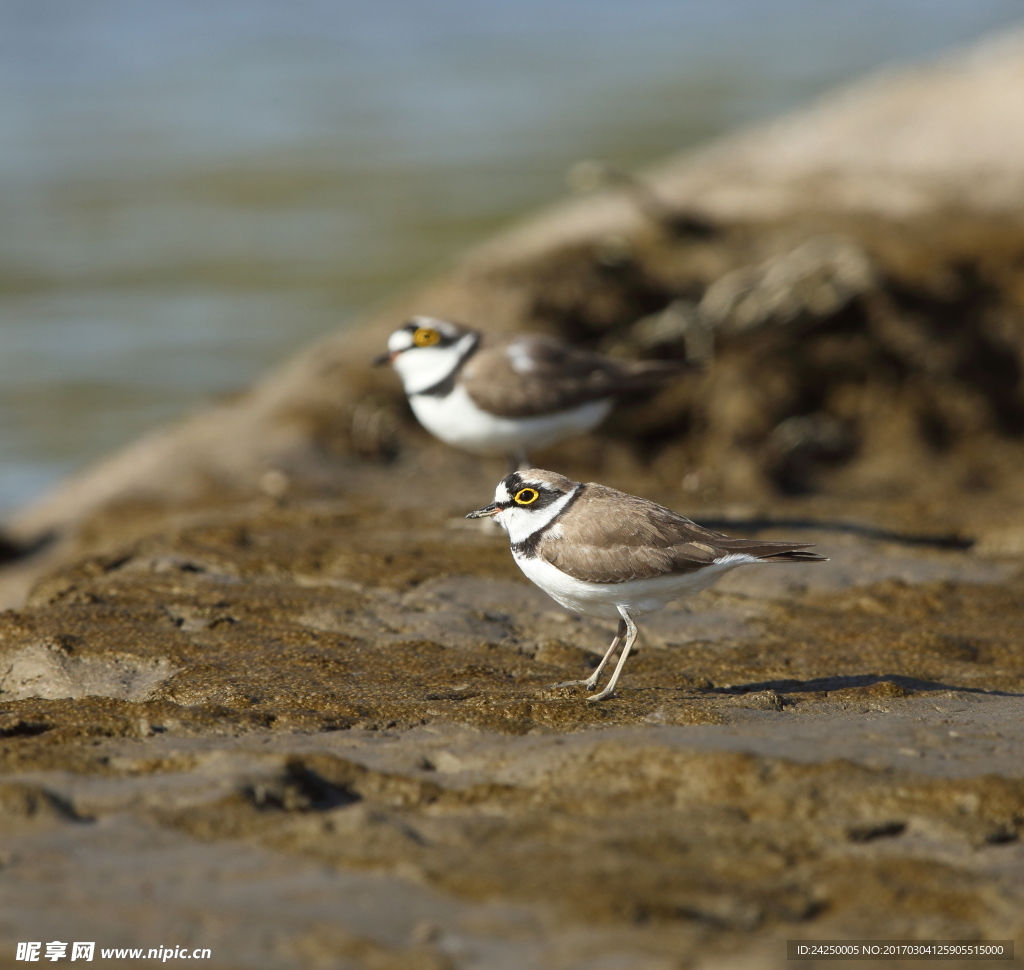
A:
(190, 189)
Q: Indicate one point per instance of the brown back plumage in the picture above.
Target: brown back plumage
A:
(608, 536)
(550, 376)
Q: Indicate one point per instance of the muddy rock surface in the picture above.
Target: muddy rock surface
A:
(324, 734)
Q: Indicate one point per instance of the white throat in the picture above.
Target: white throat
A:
(420, 368)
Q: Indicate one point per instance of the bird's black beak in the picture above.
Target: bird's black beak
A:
(381, 359)
(483, 513)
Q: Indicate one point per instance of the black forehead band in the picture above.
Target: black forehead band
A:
(514, 483)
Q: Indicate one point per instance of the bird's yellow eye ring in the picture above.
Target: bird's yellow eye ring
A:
(426, 337)
(526, 496)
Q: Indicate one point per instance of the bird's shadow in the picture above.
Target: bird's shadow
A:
(912, 685)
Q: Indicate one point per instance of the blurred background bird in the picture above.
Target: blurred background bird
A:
(507, 394)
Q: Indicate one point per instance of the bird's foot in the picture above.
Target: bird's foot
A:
(590, 683)
(607, 692)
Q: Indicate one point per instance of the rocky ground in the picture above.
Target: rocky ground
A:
(263, 688)
(323, 733)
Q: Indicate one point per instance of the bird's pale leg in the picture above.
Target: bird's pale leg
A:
(517, 460)
(630, 640)
(591, 682)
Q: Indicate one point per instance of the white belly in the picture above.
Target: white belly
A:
(639, 596)
(457, 421)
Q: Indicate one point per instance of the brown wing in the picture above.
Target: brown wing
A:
(521, 375)
(617, 537)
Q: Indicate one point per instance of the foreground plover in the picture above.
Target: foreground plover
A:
(500, 395)
(607, 554)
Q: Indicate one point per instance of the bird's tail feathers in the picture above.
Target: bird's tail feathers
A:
(793, 555)
(642, 374)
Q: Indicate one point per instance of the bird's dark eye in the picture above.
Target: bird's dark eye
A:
(426, 337)
(526, 496)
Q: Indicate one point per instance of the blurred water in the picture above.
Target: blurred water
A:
(189, 189)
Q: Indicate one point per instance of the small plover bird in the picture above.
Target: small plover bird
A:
(607, 554)
(499, 395)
